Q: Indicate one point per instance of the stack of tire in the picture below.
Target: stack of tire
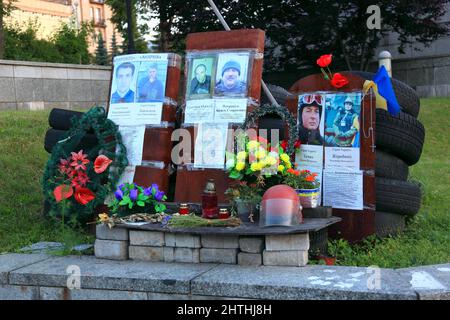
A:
(399, 142)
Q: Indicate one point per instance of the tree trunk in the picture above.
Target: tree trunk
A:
(2, 33)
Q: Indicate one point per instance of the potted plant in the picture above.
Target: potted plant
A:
(306, 185)
(245, 199)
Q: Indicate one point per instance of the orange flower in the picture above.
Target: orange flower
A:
(101, 163)
(310, 179)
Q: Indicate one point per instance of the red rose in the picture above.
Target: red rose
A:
(101, 163)
(339, 80)
(284, 144)
(62, 191)
(297, 144)
(84, 195)
(324, 60)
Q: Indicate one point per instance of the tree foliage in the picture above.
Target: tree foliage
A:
(297, 32)
(101, 54)
(114, 47)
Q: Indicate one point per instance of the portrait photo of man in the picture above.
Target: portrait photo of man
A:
(309, 118)
(123, 77)
(231, 76)
(346, 125)
(201, 82)
(150, 88)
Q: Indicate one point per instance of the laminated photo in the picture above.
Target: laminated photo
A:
(310, 119)
(151, 81)
(200, 77)
(232, 74)
(123, 86)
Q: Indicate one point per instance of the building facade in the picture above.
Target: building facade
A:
(49, 14)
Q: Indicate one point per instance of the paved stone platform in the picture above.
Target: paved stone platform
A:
(43, 277)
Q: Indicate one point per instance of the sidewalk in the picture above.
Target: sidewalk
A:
(42, 276)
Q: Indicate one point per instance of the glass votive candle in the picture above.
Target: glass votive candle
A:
(223, 213)
(184, 209)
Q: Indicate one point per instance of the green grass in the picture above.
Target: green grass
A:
(22, 161)
(426, 241)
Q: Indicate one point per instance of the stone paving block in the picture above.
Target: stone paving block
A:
(218, 255)
(182, 240)
(146, 238)
(251, 244)
(13, 261)
(287, 242)
(291, 258)
(169, 254)
(188, 255)
(220, 242)
(8, 292)
(103, 274)
(146, 253)
(103, 232)
(51, 293)
(110, 249)
(249, 259)
(293, 283)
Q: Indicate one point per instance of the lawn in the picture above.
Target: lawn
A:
(426, 241)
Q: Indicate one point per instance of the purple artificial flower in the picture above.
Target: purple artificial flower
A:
(119, 194)
(148, 191)
(155, 186)
(165, 220)
(133, 194)
(159, 195)
(121, 186)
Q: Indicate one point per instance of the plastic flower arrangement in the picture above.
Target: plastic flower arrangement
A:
(337, 80)
(301, 179)
(74, 178)
(130, 198)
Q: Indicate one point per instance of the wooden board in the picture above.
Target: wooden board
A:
(355, 224)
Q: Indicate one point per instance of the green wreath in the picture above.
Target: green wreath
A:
(109, 144)
(285, 115)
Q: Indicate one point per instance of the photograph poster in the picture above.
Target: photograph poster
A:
(232, 74)
(342, 131)
(138, 89)
(310, 121)
(201, 73)
(210, 145)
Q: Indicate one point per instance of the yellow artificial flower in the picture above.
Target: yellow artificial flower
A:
(240, 166)
(253, 144)
(103, 217)
(241, 156)
(261, 153)
(255, 166)
(288, 165)
(284, 157)
(281, 168)
(271, 160)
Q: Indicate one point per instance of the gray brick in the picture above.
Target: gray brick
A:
(289, 258)
(182, 240)
(8, 292)
(251, 244)
(29, 90)
(249, 259)
(287, 242)
(103, 232)
(55, 90)
(110, 249)
(146, 238)
(187, 255)
(79, 90)
(53, 293)
(146, 253)
(169, 254)
(7, 94)
(220, 242)
(218, 255)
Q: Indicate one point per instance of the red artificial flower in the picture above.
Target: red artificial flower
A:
(339, 80)
(284, 144)
(101, 163)
(324, 60)
(64, 166)
(62, 191)
(292, 171)
(80, 180)
(297, 144)
(79, 160)
(84, 195)
(310, 179)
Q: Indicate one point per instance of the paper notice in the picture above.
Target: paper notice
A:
(230, 110)
(342, 159)
(210, 145)
(148, 113)
(199, 111)
(133, 140)
(309, 156)
(343, 190)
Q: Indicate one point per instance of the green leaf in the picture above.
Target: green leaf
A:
(130, 205)
(235, 174)
(140, 203)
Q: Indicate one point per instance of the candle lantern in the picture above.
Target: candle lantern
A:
(210, 209)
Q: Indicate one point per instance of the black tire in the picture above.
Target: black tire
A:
(407, 97)
(60, 118)
(401, 135)
(401, 197)
(391, 167)
(52, 136)
(388, 224)
(280, 94)
(271, 122)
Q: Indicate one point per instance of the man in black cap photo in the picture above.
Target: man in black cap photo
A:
(230, 83)
(309, 114)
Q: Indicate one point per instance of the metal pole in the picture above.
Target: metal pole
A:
(130, 27)
(227, 28)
